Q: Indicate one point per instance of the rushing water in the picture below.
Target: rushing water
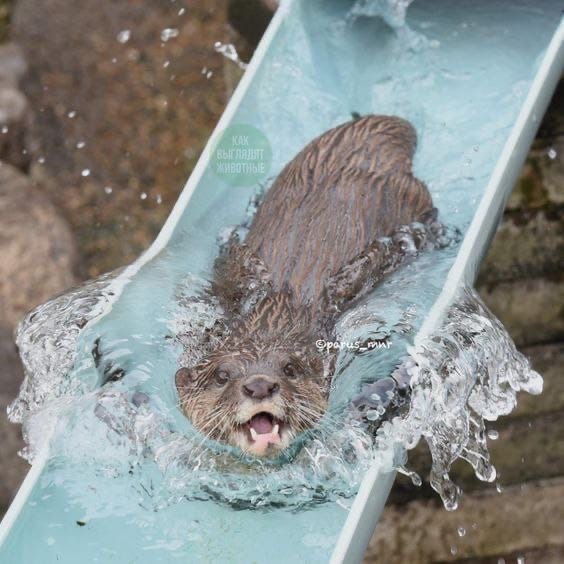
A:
(123, 457)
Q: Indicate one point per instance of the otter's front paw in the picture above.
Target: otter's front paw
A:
(374, 400)
(108, 370)
(347, 282)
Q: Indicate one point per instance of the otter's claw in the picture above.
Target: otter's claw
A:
(378, 399)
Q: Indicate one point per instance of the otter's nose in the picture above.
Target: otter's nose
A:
(260, 388)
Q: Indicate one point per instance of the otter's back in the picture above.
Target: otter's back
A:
(348, 187)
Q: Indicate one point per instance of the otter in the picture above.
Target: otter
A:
(344, 213)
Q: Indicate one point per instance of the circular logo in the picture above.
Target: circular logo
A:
(242, 156)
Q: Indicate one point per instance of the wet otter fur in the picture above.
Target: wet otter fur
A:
(342, 214)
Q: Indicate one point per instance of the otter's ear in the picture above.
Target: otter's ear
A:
(183, 377)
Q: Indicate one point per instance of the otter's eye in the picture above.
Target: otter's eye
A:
(290, 370)
(221, 377)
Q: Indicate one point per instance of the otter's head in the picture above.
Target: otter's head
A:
(255, 397)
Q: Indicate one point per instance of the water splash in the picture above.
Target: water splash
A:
(124, 36)
(169, 33)
(468, 372)
(229, 52)
(394, 13)
(47, 340)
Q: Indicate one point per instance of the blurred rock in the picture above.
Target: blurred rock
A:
(544, 555)
(14, 122)
(251, 17)
(11, 373)
(37, 262)
(517, 519)
(5, 16)
(526, 245)
(12, 65)
(35, 244)
(547, 360)
(542, 179)
(12, 467)
(14, 108)
(120, 118)
(531, 309)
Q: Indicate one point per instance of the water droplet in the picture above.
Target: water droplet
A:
(501, 561)
(552, 154)
(108, 189)
(143, 196)
(209, 74)
(124, 36)
(85, 172)
(228, 50)
(476, 148)
(493, 434)
(41, 160)
(453, 550)
(159, 199)
(461, 531)
(414, 476)
(5, 129)
(182, 11)
(498, 487)
(520, 560)
(72, 114)
(81, 145)
(133, 55)
(169, 33)
(166, 64)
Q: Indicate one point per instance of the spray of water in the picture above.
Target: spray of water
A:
(394, 13)
(229, 52)
(47, 342)
(466, 373)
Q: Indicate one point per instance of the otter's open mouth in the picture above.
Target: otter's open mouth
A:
(263, 429)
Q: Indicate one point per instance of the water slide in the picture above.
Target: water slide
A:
(474, 77)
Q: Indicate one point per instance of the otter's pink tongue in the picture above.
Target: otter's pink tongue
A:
(261, 423)
(263, 432)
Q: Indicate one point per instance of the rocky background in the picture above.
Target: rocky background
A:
(103, 114)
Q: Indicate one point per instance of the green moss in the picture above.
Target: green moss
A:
(530, 186)
(5, 16)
